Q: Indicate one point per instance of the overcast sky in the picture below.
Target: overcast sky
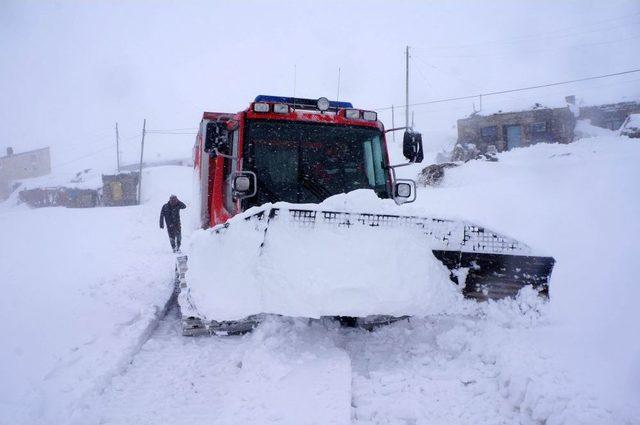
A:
(70, 70)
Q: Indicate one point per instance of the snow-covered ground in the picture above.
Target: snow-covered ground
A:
(81, 346)
(578, 202)
(82, 289)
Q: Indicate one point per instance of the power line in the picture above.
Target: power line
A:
(547, 35)
(170, 132)
(95, 152)
(551, 94)
(420, 72)
(548, 49)
(175, 129)
(518, 89)
(85, 156)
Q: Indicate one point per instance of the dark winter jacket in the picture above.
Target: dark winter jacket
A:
(171, 215)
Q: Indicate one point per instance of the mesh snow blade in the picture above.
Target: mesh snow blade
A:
(486, 264)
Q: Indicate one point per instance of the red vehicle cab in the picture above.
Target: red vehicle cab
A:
(293, 150)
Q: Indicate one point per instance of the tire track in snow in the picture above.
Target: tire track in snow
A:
(88, 400)
(417, 372)
(439, 369)
(284, 372)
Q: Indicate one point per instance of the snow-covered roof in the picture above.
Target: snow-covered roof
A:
(509, 107)
(611, 106)
(24, 152)
(84, 179)
(485, 112)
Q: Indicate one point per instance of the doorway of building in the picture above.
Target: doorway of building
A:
(513, 136)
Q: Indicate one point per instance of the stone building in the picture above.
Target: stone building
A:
(610, 116)
(16, 166)
(507, 130)
(59, 197)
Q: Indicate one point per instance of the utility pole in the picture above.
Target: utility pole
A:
(117, 149)
(393, 123)
(406, 103)
(412, 116)
(144, 130)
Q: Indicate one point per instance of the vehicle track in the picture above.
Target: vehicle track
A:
(266, 376)
(299, 371)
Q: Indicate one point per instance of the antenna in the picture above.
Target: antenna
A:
(338, 95)
(393, 122)
(295, 72)
(406, 103)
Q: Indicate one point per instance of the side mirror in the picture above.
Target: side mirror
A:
(412, 146)
(217, 138)
(244, 184)
(404, 191)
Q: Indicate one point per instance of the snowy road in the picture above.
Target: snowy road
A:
(292, 371)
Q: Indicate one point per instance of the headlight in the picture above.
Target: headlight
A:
(261, 107)
(352, 114)
(323, 104)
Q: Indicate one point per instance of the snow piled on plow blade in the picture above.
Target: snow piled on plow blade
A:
(314, 269)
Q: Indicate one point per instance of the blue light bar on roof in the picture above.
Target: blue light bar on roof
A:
(301, 103)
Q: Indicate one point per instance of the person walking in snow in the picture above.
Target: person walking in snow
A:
(170, 213)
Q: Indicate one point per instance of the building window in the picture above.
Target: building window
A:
(538, 127)
(490, 132)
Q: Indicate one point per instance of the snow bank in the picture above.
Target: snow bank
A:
(82, 289)
(579, 202)
(585, 129)
(319, 270)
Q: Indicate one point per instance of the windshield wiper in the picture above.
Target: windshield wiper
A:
(314, 187)
(271, 197)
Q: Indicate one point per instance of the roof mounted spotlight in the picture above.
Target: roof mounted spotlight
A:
(352, 114)
(260, 107)
(370, 115)
(323, 104)
(280, 108)
(300, 103)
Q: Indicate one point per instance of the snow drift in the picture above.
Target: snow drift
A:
(580, 203)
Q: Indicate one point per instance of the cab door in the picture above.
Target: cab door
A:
(231, 206)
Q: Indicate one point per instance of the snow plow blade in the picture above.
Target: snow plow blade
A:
(484, 264)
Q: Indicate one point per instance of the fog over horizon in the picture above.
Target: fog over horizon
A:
(69, 70)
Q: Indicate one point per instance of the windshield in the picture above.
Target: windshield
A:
(307, 162)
